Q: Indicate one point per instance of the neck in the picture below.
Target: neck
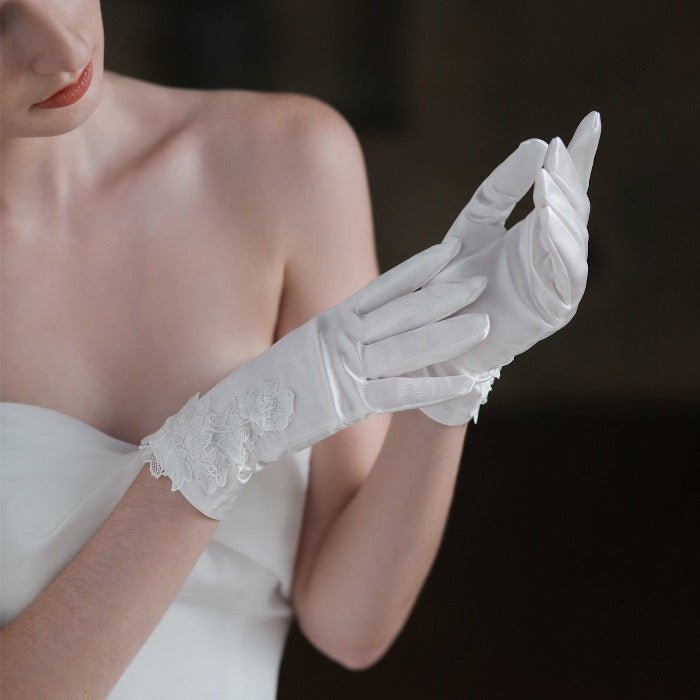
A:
(43, 173)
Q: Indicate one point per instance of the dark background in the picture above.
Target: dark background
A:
(566, 570)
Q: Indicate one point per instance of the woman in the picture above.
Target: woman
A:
(154, 241)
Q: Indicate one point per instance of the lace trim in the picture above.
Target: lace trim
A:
(483, 384)
(199, 444)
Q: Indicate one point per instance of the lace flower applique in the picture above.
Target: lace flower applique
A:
(198, 444)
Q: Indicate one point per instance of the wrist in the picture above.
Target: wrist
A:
(417, 421)
(157, 497)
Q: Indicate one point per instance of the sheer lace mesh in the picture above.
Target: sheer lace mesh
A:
(199, 444)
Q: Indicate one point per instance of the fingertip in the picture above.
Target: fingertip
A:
(482, 281)
(475, 286)
(530, 154)
(486, 323)
(467, 385)
(591, 123)
(477, 326)
(533, 145)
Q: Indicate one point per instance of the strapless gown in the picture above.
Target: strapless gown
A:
(224, 634)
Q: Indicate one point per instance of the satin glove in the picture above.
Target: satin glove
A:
(536, 270)
(334, 370)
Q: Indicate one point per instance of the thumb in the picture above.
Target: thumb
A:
(498, 194)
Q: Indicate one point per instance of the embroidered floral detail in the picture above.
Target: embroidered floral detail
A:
(198, 444)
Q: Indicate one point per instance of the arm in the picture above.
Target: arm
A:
(79, 635)
(372, 562)
(372, 527)
(377, 503)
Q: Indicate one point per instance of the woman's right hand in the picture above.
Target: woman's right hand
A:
(336, 369)
(536, 269)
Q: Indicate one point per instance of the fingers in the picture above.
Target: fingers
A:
(548, 193)
(498, 194)
(403, 393)
(406, 276)
(420, 308)
(424, 346)
(564, 240)
(584, 144)
(560, 166)
(569, 267)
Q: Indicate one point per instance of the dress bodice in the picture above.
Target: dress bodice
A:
(223, 636)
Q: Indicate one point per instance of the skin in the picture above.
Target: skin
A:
(161, 236)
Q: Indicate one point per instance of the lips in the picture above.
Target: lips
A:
(71, 93)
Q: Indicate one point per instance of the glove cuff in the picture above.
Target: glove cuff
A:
(209, 455)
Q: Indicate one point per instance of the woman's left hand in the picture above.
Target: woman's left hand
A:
(536, 270)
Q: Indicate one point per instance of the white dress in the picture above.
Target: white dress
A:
(224, 634)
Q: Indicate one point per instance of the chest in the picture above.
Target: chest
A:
(119, 319)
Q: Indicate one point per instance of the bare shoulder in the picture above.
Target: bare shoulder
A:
(285, 140)
(264, 161)
(289, 153)
(284, 130)
(295, 166)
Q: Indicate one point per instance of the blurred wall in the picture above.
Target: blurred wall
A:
(440, 92)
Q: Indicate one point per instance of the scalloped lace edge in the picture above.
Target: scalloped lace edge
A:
(198, 444)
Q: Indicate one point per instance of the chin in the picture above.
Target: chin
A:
(53, 122)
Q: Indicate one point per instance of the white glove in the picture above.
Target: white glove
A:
(332, 371)
(536, 270)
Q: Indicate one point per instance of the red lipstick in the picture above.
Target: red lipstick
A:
(71, 93)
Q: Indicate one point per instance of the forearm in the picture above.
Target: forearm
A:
(375, 557)
(79, 635)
